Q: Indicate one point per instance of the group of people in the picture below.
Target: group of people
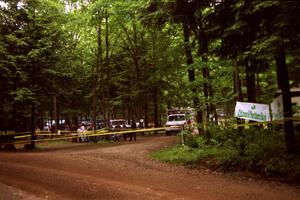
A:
(131, 135)
(83, 129)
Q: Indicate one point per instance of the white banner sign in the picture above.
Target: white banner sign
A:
(252, 111)
(277, 108)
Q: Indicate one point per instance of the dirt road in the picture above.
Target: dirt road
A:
(121, 171)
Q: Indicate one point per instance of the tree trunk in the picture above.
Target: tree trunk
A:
(155, 88)
(191, 72)
(14, 109)
(283, 84)
(146, 120)
(55, 112)
(155, 101)
(136, 59)
(202, 51)
(188, 53)
(205, 89)
(239, 97)
(237, 81)
(257, 87)
(96, 75)
(129, 107)
(107, 68)
(32, 127)
(250, 81)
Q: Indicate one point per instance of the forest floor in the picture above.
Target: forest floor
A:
(122, 170)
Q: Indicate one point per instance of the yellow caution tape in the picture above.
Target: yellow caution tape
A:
(57, 134)
(72, 134)
(269, 122)
(85, 134)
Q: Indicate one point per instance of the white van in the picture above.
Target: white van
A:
(175, 123)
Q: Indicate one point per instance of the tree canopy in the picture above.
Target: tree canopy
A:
(73, 60)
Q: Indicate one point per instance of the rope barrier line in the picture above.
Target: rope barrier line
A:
(294, 119)
(269, 122)
(57, 134)
(86, 134)
(2, 133)
(73, 134)
(46, 133)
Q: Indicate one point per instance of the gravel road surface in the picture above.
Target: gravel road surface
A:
(122, 170)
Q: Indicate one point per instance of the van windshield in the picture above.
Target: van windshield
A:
(177, 118)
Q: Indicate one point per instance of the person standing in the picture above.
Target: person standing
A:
(82, 133)
(117, 128)
(133, 134)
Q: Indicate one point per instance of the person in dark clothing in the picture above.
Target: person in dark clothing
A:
(116, 137)
(133, 135)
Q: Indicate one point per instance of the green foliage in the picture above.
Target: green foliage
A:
(190, 155)
(297, 172)
(276, 165)
(22, 95)
(191, 142)
(264, 152)
(50, 48)
(178, 155)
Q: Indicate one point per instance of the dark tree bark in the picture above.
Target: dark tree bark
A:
(283, 84)
(146, 120)
(250, 81)
(202, 51)
(129, 104)
(205, 88)
(107, 69)
(188, 51)
(55, 112)
(14, 109)
(257, 87)
(191, 72)
(32, 126)
(155, 89)
(96, 75)
(155, 101)
(132, 42)
(237, 81)
(239, 97)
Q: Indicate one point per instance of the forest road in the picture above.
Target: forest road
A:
(122, 171)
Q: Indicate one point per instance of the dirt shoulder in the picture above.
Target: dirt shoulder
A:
(121, 171)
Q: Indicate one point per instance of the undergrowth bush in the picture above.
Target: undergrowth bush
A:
(297, 172)
(254, 149)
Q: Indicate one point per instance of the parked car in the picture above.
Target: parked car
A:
(114, 122)
(100, 124)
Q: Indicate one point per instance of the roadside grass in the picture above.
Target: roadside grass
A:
(178, 155)
(257, 150)
(47, 145)
(186, 155)
(51, 144)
